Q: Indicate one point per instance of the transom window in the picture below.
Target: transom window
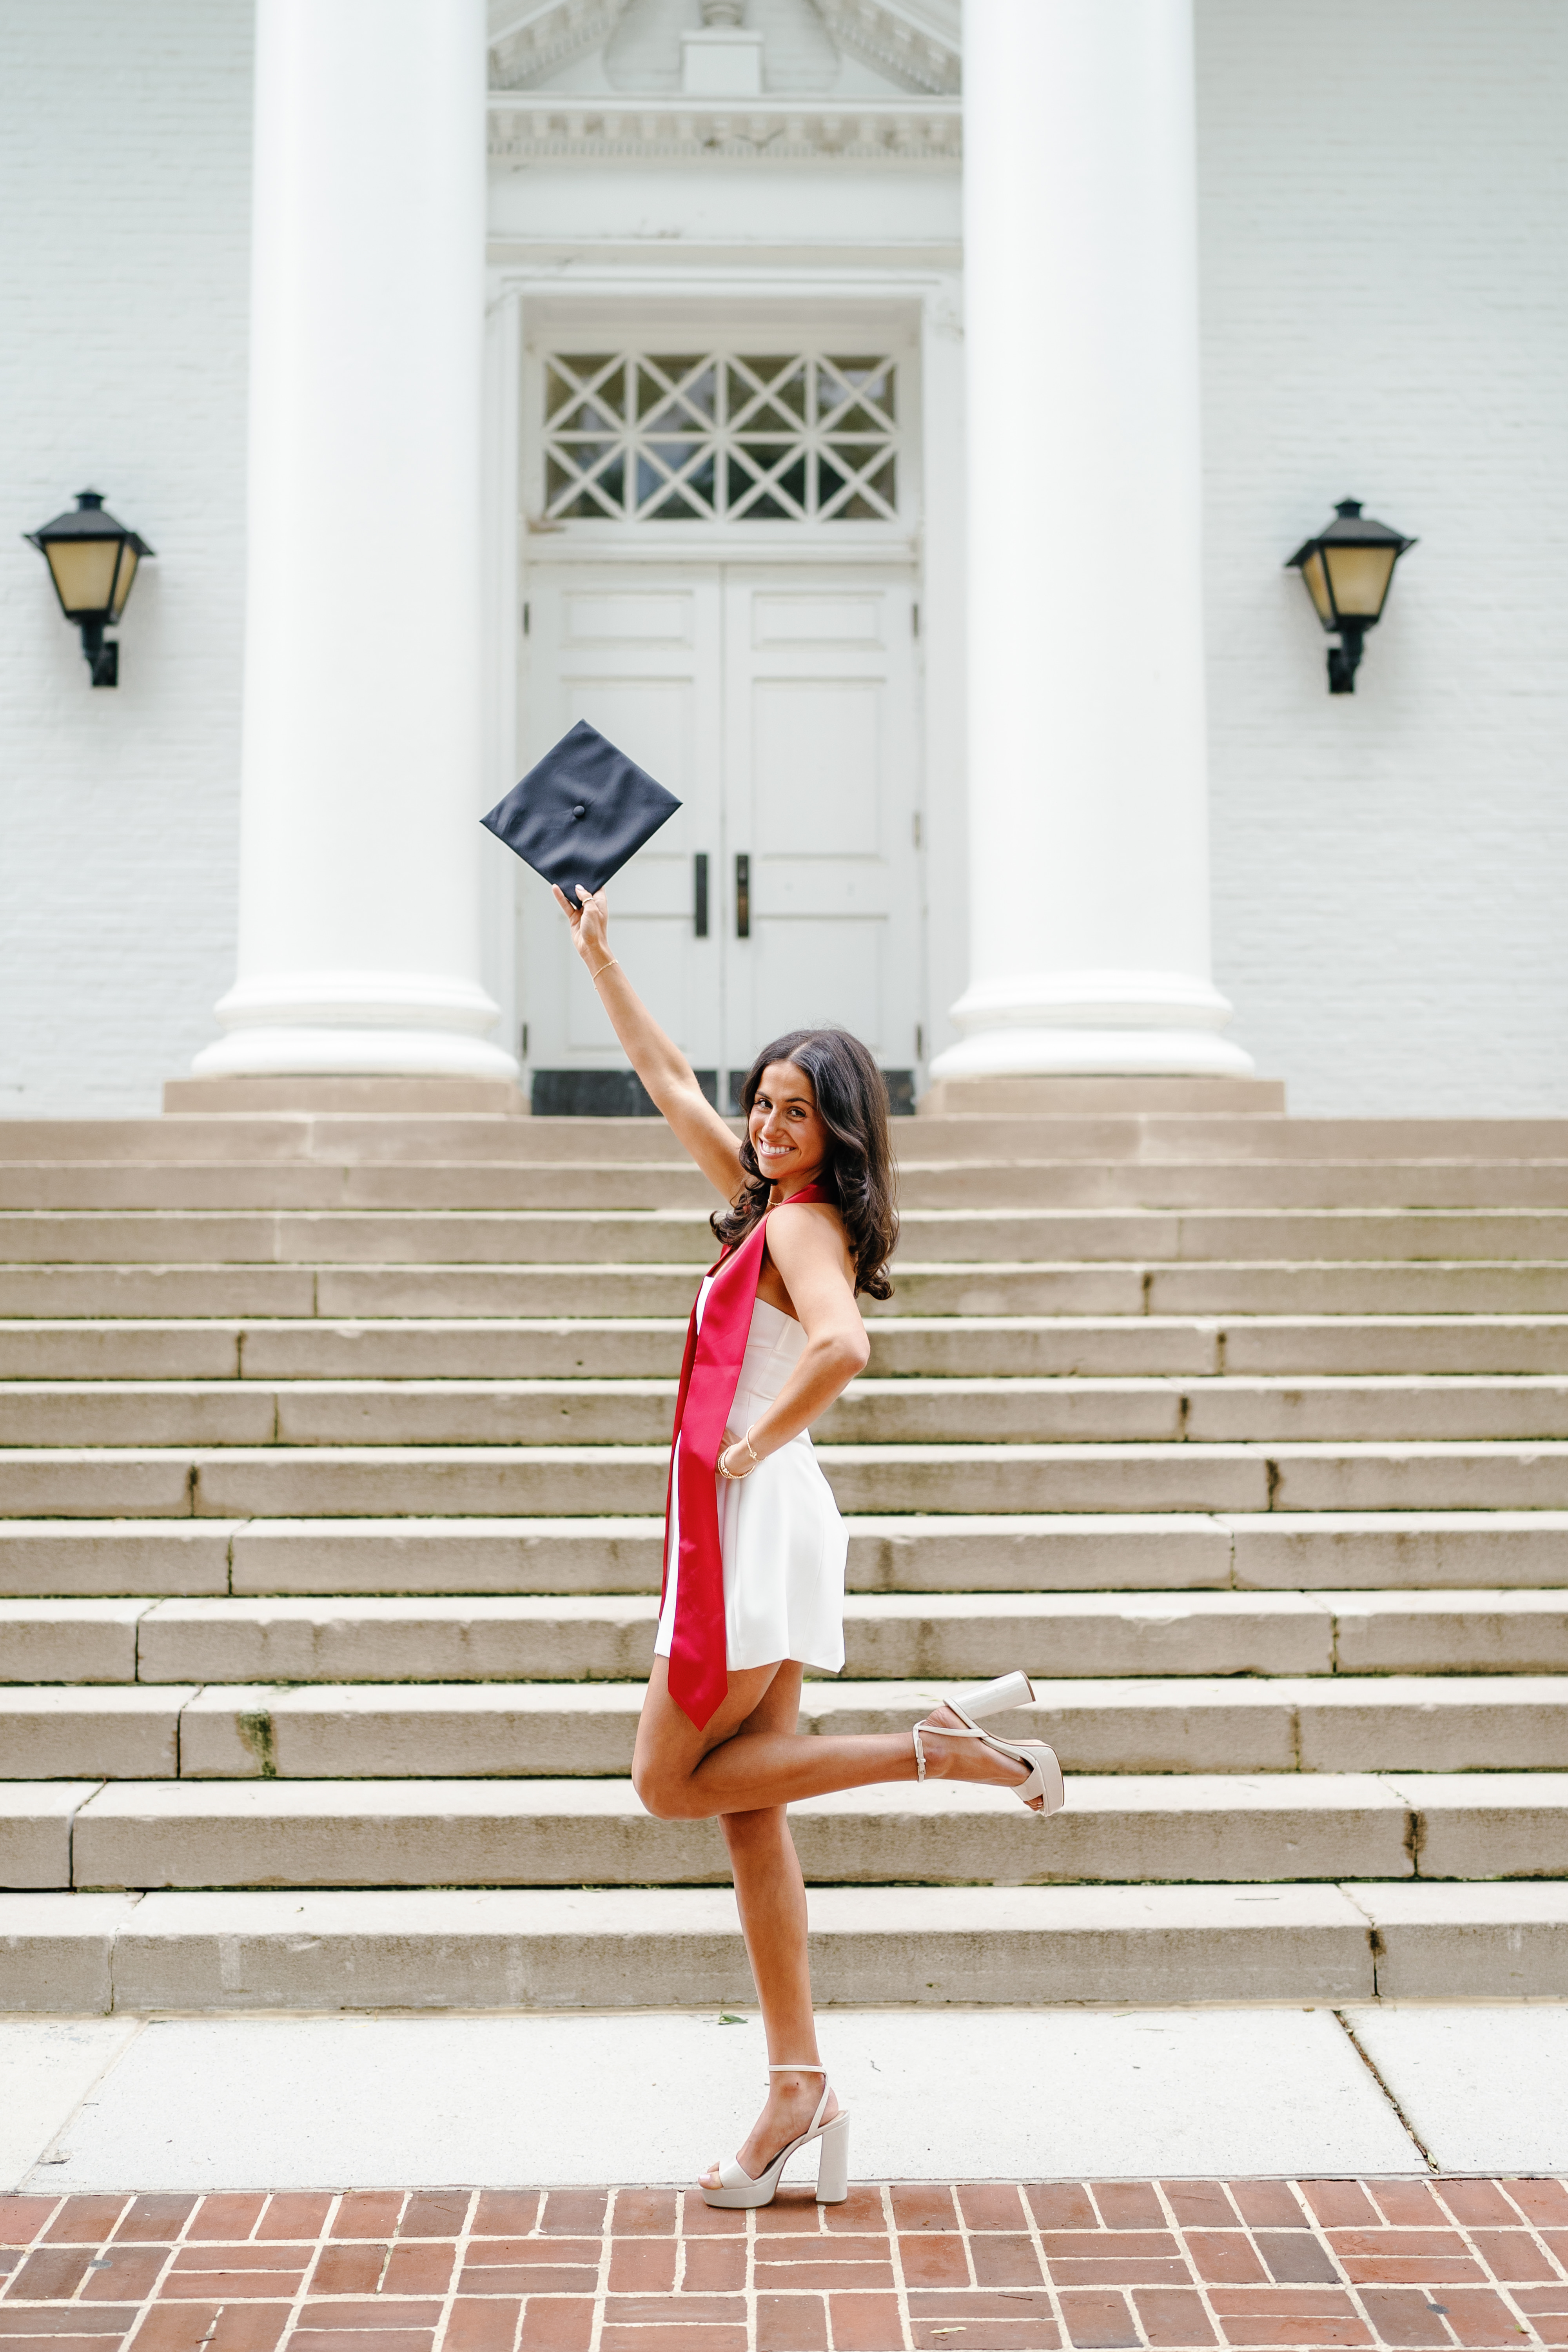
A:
(664, 436)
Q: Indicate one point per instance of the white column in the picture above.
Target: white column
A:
(1087, 787)
(362, 775)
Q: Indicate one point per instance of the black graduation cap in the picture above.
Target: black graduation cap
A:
(582, 813)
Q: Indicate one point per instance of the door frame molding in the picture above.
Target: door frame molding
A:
(927, 296)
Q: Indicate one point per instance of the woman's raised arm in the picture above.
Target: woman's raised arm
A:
(656, 1059)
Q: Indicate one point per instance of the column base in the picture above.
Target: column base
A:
(1092, 1024)
(349, 1096)
(355, 1025)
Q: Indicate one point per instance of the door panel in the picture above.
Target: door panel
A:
(778, 703)
(637, 657)
(821, 788)
(807, 972)
(816, 766)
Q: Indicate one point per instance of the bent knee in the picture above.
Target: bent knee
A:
(665, 1794)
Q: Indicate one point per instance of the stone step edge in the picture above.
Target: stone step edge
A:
(913, 1527)
(663, 1386)
(330, 1164)
(1248, 1553)
(1396, 1789)
(685, 1269)
(1209, 1324)
(1025, 1620)
(480, 1948)
(823, 1696)
(923, 1453)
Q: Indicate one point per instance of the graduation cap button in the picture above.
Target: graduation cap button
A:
(579, 809)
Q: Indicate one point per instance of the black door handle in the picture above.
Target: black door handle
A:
(742, 898)
(699, 894)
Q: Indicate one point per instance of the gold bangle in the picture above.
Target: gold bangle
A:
(747, 1442)
(603, 969)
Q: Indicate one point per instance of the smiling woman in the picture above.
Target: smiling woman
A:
(754, 1548)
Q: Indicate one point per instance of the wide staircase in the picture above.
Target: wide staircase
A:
(331, 1457)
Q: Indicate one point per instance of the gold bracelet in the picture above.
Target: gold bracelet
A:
(603, 969)
(747, 1442)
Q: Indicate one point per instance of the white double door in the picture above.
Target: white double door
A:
(779, 704)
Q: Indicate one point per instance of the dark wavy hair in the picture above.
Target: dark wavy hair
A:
(858, 1174)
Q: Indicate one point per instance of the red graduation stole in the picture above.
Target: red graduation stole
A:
(710, 1375)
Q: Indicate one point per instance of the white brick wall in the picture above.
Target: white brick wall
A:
(124, 198)
(1387, 318)
(1384, 317)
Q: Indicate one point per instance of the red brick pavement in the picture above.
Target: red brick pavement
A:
(1062, 2266)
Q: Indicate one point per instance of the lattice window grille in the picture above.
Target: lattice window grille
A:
(715, 437)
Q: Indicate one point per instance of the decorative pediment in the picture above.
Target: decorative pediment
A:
(849, 49)
(531, 43)
(915, 45)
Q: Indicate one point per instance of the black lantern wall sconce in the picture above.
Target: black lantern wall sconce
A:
(1347, 569)
(92, 562)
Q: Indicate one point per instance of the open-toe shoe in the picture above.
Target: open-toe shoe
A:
(1045, 1779)
(736, 2185)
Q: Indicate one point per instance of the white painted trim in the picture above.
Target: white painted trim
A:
(502, 630)
(943, 645)
(718, 544)
(525, 125)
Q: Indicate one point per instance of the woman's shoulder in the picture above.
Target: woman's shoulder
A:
(801, 1212)
(808, 1225)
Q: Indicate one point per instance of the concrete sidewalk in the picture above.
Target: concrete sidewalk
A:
(196, 2103)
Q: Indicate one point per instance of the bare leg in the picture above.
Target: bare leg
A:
(684, 1774)
(769, 1894)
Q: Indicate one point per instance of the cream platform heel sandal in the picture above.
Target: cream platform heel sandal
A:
(1045, 1779)
(736, 2185)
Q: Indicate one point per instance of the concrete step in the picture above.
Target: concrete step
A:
(36, 1820)
(516, 1638)
(1313, 1288)
(1118, 1829)
(544, 1732)
(1241, 1183)
(227, 1185)
(925, 1181)
(1017, 1552)
(121, 1733)
(583, 1638)
(921, 1412)
(906, 1346)
(594, 1481)
(70, 1641)
(1095, 1134)
(459, 1948)
(1047, 1236)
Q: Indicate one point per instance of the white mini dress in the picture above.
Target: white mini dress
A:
(783, 1542)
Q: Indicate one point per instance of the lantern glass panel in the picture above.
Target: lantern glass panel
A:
(1359, 578)
(83, 572)
(1318, 588)
(127, 573)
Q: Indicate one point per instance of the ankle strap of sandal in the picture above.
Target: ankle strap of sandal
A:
(797, 2070)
